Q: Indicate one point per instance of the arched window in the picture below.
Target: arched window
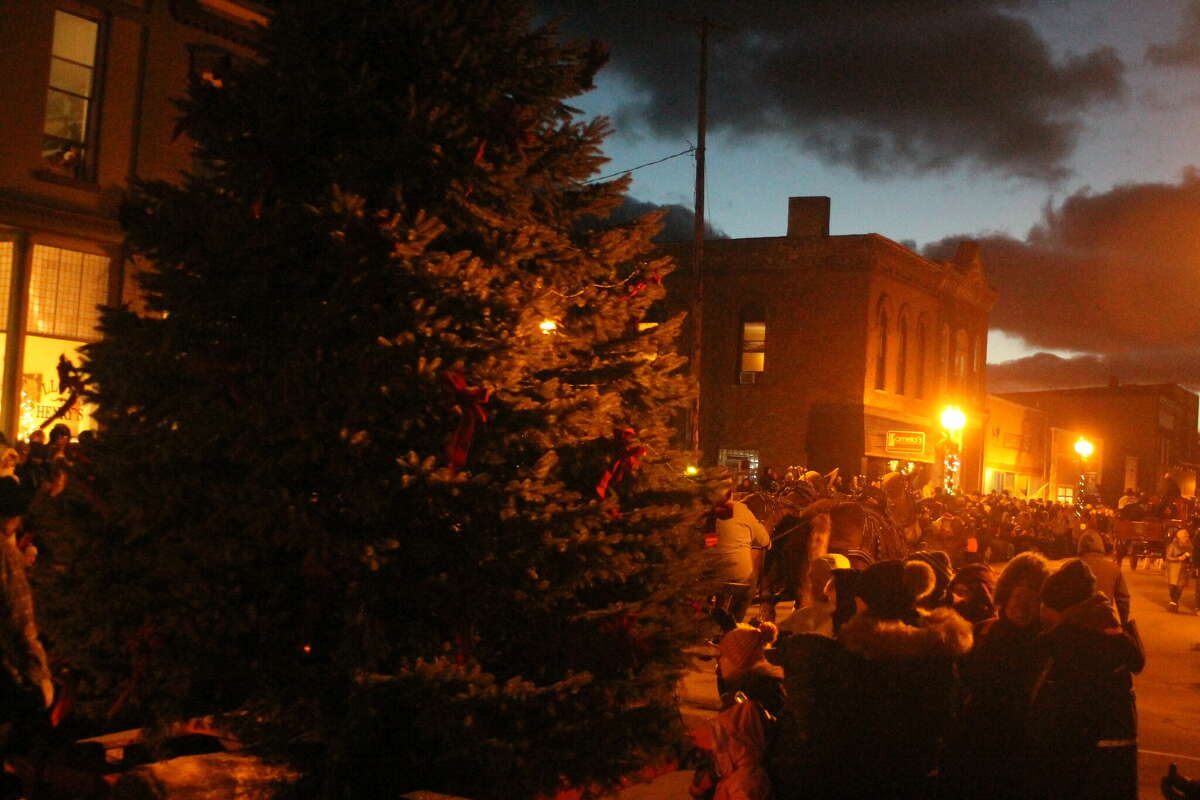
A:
(944, 357)
(960, 358)
(902, 353)
(922, 336)
(753, 352)
(977, 361)
(881, 344)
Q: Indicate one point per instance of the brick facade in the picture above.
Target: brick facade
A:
(1148, 430)
(830, 303)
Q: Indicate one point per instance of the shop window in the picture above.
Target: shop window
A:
(753, 355)
(66, 288)
(902, 355)
(69, 129)
(881, 345)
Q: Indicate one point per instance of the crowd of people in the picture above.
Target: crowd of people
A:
(33, 472)
(931, 675)
(916, 679)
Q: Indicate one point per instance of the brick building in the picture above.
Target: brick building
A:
(87, 109)
(837, 351)
(1148, 430)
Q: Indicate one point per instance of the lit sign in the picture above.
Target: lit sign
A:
(912, 442)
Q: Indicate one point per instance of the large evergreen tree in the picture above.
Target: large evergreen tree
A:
(356, 481)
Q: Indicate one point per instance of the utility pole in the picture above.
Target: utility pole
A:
(698, 237)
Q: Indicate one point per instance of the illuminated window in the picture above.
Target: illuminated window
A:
(881, 345)
(902, 354)
(69, 125)
(1065, 494)
(921, 346)
(754, 346)
(65, 288)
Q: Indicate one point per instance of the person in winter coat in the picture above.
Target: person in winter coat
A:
(943, 572)
(1109, 578)
(1177, 558)
(743, 667)
(737, 739)
(970, 592)
(737, 536)
(817, 615)
(882, 699)
(25, 685)
(1082, 728)
(998, 675)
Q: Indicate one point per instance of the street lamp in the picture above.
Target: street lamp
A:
(953, 421)
(1084, 449)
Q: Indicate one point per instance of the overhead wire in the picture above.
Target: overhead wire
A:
(691, 149)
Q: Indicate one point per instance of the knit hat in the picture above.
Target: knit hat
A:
(981, 574)
(742, 648)
(1073, 583)
(891, 591)
(939, 562)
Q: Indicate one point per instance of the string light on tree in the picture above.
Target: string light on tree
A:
(548, 326)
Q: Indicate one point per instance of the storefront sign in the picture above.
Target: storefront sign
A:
(906, 442)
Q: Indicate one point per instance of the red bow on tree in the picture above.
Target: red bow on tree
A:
(627, 461)
(642, 283)
(722, 510)
(468, 402)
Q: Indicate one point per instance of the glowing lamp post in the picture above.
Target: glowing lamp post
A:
(953, 421)
(1084, 449)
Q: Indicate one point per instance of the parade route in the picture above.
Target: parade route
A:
(1168, 690)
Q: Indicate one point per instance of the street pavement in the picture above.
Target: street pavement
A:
(1168, 692)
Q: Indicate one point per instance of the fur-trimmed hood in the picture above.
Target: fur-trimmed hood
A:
(941, 633)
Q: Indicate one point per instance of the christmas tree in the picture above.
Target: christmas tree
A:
(387, 460)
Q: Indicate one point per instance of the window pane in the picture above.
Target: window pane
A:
(70, 77)
(41, 396)
(65, 288)
(75, 38)
(754, 332)
(66, 116)
(7, 253)
(753, 362)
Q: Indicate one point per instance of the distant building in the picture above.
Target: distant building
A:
(87, 106)
(838, 351)
(1148, 431)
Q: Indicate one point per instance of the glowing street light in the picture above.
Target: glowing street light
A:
(690, 470)
(953, 419)
(1083, 448)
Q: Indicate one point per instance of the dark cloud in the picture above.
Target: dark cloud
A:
(1105, 273)
(678, 222)
(884, 86)
(1185, 50)
(1047, 371)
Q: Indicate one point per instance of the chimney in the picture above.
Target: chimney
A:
(808, 216)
